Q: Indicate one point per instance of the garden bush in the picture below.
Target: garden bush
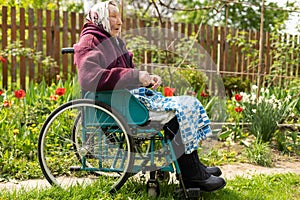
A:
(22, 114)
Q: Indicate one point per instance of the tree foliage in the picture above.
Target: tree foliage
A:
(66, 5)
(241, 14)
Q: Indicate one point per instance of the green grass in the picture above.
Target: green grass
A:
(259, 187)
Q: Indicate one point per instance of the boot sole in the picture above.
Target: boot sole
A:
(215, 189)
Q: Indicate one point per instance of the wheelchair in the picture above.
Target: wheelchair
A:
(108, 138)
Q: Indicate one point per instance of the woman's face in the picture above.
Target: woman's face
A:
(114, 20)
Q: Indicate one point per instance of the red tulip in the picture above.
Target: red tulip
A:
(1, 92)
(238, 109)
(6, 103)
(60, 91)
(53, 97)
(203, 94)
(20, 94)
(2, 59)
(238, 97)
(169, 91)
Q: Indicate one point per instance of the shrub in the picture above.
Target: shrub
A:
(259, 153)
(266, 113)
(22, 114)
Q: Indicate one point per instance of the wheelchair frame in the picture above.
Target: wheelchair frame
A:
(106, 135)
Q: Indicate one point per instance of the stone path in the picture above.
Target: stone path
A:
(229, 172)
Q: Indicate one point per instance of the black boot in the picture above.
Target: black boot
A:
(195, 175)
(216, 171)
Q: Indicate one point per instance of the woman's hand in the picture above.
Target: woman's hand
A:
(144, 78)
(149, 80)
(155, 81)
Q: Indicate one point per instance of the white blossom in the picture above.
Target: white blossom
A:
(288, 97)
(254, 87)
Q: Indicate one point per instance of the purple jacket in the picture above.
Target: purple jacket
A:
(102, 63)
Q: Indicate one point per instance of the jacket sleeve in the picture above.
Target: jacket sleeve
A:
(96, 70)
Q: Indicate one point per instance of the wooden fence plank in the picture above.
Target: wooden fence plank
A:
(215, 46)
(196, 30)
(65, 44)
(49, 33)
(208, 51)
(255, 69)
(56, 38)
(81, 20)
(243, 56)
(208, 40)
(189, 29)
(4, 28)
(225, 51)
(141, 23)
(31, 41)
(13, 68)
(297, 57)
(39, 44)
(73, 36)
(22, 58)
(222, 46)
(292, 56)
(251, 68)
(235, 56)
(202, 36)
(267, 53)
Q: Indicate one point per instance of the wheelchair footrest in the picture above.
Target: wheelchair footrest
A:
(75, 168)
(190, 192)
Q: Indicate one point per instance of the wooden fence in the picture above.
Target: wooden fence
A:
(49, 31)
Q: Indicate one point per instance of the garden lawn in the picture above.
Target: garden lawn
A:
(259, 187)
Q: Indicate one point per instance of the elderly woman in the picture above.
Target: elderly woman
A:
(105, 64)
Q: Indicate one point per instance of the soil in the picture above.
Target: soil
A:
(282, 164)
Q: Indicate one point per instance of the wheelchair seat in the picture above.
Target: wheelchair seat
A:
(129, 107)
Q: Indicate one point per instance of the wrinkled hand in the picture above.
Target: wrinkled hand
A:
(149, 80)
(155, 81)
(144, 78)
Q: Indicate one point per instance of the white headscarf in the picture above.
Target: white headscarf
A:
(99, 15)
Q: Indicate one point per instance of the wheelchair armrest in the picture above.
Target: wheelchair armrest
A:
(67, 50)
(123, 102)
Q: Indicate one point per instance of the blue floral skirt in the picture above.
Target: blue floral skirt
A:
(194, 123)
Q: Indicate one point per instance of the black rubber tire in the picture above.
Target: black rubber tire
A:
(64, 145)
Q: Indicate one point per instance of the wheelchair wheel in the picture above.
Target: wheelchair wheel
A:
(83, 142)
(89, 156)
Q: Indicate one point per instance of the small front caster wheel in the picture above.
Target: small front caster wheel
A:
(153, 188)
(152, 192)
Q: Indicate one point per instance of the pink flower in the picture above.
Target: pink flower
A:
(20, 94)
(169, 91)
(60, 91)
(238, 97)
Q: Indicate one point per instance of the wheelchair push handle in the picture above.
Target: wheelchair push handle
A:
(67, 50)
